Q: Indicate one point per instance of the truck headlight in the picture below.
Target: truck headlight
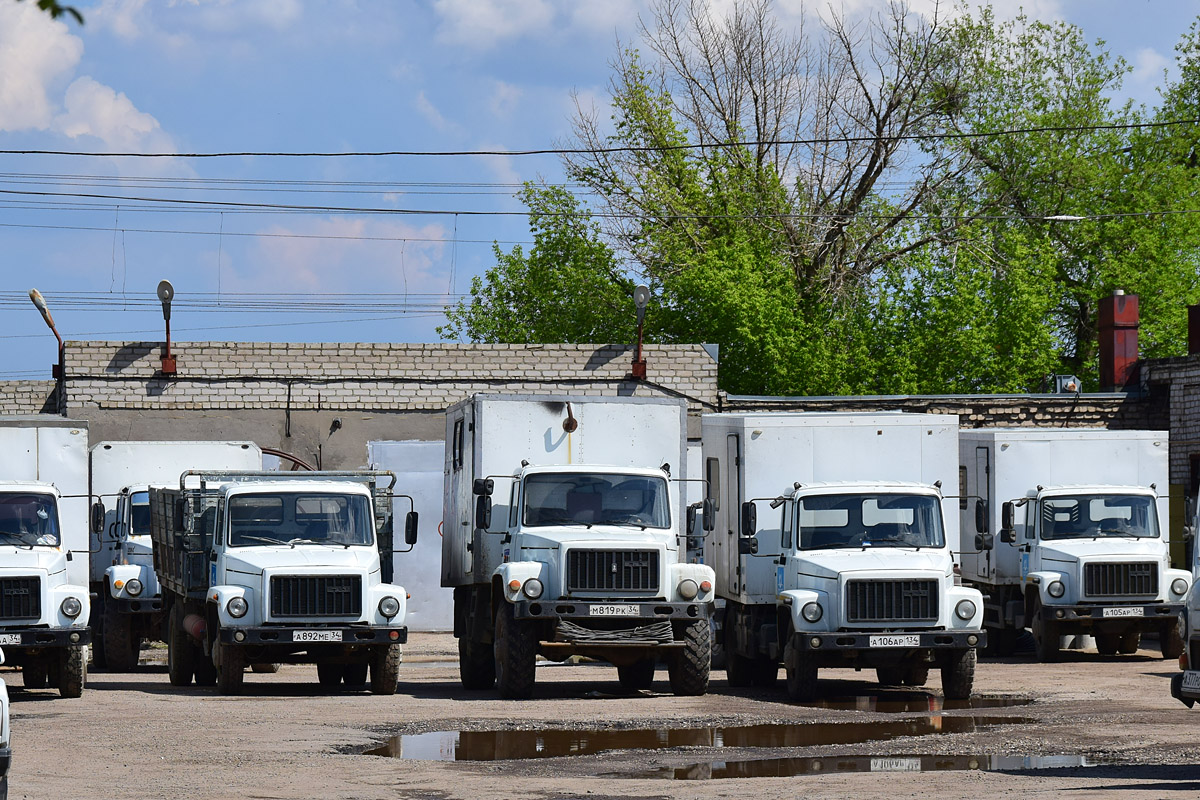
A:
(688, 589)
(134, 587)
(532, 588)
(71, 607)
(812, 612)
(1179, 586)
(965, 609)
(237, 607)
(389, 606)
(1056, 589)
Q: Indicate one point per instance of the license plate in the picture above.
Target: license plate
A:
(900, 640)
(614, 611)
(1124, 611)
(1191, 679)
(316, 636)
(895, 765)
(10, 638)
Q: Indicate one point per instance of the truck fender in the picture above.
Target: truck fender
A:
(123, 573)
(794, 600)
(376, 595)
(699, 573)
(220, 597)
(60, 593)
(1037, 582)
(954, 596)
(520, 571)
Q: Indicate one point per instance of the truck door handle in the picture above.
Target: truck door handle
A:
(1024, 548)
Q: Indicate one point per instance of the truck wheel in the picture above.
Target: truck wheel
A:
(638, 675)
(355, 674)
(72, 670)
(121, 648)
(329, 675)
(917, 674)
(801, 671)
(231, 672)
(1045, 635)
(515, 647)
(1170, 640)
(36, 673)
(385, 669)
(476, 664)
(181, 652)
(1130, 642)
(958, 674)
(739, 670)
(1107, 643)
(688, 668)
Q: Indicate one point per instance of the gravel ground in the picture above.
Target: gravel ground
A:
(135, 736)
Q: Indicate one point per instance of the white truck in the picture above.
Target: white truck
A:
(5, 747)
(280, 567)
(1082, 546)
(582, 553)
(834, 547)
(44, 523)
(128, 600)
(1185, 685)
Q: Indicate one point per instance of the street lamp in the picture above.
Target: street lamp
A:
(57, 371)
(165, 293)
(641, 296)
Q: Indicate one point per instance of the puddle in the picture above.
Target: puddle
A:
(915, 703)
(504, 745)
(791, 767)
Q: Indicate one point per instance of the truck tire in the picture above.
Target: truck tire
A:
(1130, 642)
(515, 649)
(355, 674)
(476, 664)
(958, 674)
(1170, 640)
(1107, 643)
(1045, 635)
(638, 675)
(35, 674)
(329, 674)
(801, 671)
(231, 671)
(385, 669)
(181, 652)
(739, 670)
(120, 647)
(72, 670)
(688, 668)
(917, 674)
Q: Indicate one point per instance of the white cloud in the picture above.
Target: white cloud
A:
(37, 54)
(93, 109)
(504, 99)
(481, 24)
(430, 112)
(1148, 67)
(608, 17)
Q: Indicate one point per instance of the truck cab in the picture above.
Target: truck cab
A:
(270, 568)
(5, 747)
(132, 596)
(43, 617)
(1093, 560)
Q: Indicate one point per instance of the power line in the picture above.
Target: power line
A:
(355, 320)
(559, 151)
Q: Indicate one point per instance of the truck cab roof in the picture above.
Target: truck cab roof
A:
(38, 487)
(536, 469)
(866, 487)
(1091, 488)
(293, 487)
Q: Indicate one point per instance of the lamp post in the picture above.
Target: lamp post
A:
(641, 296)
(57, 371)
(165, 293)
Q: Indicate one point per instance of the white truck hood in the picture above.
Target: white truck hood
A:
(254, 560)
(830, 564)
(53, 561)
(1108, 547)
(607, 537)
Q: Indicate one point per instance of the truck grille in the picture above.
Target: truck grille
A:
(1121, 580)
(316, 596)
(612, 570)
(892, 601)
(20, 598)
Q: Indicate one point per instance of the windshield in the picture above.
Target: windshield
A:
(1086, 516)
(27, 518)
(874, 520)
(596, 499)
(139, 514)
(289, 518)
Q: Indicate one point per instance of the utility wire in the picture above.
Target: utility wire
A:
(831, 140)
(266, 235)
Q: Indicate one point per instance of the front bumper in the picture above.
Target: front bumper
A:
(24, 638)
(851, 641)
(1190, 693)
(126, 605)
(306, 636)
(5, 760)
(636, 612)
(1089, 615)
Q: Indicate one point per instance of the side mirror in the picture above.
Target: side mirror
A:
(1008, 517)
(483, 487)
(1008, 537)
(709, 519)
(483, 512)
(747, 546)
(983, 541)
(981, 517)
(691, 520)
(96, 519)
(749, 519)
(410, 528)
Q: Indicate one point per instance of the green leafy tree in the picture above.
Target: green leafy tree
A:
(56, 9)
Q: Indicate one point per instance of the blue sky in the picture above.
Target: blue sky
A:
(187, 76)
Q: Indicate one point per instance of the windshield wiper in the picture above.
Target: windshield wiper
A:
(627, 522)
(262, 539)
(1123, 534)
